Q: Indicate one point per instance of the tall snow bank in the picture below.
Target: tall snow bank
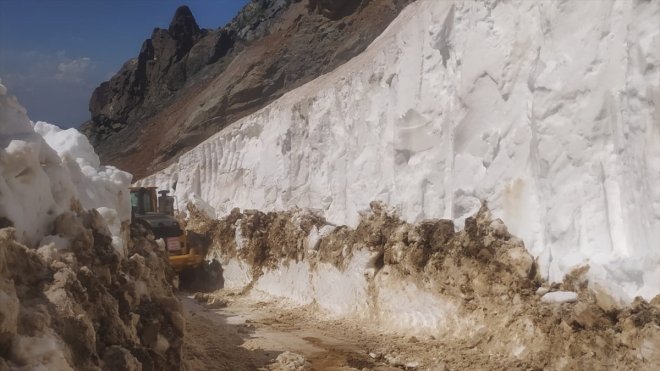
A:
(44, 169)
(547, 110)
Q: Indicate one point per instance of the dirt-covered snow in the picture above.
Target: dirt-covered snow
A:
(474, 297)
(86, 307)
(78, 289)
(260, 333)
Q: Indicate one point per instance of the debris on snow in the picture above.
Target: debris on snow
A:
(475, 289)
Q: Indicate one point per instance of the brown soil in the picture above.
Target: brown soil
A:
(211, 343)
(249, 334)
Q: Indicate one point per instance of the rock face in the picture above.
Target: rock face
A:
(335, 9)
(269, 48)
(159, 69)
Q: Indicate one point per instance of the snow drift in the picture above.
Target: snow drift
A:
(44, 169)
(547, 110)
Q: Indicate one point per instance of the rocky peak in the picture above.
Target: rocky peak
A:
(183, 27)
(160, 69)
(188, 83)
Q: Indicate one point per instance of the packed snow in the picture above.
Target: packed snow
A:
(547, 110)
(46, 169)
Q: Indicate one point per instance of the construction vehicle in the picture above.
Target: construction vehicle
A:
(156, 214)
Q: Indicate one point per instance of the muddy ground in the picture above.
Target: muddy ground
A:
(247, 332)
(253, 334)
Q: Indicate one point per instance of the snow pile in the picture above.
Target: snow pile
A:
(45, 170)
(547, 110)
(75, 292)
(560, 297)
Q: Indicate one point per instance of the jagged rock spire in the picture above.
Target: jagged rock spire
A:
(183, 26)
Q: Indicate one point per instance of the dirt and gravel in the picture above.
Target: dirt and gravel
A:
(260, 334)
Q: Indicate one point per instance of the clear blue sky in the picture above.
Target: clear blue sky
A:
(53, 53)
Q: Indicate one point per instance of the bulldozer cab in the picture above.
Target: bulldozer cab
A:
(144, 201)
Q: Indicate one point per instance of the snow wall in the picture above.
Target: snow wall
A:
(548, 110)
(398, 306)
(44, 169)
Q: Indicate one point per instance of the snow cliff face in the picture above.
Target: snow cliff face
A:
(44, 169)
(547, 110)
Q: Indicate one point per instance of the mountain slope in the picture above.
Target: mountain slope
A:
(188, 83)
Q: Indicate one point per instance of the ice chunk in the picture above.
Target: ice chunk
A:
(560, 297)
(44, 170)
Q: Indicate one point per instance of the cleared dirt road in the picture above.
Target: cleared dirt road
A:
(249, 334)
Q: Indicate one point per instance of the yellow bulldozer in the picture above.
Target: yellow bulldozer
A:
(156, 214)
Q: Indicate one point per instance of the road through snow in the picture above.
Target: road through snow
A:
(250, 334)
(394, 294)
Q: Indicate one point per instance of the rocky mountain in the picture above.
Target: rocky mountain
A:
(188, 83)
